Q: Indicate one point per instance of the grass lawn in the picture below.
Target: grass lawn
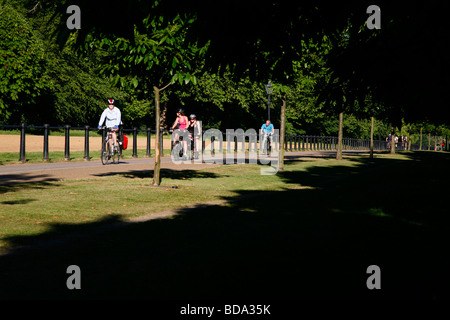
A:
(310, 231)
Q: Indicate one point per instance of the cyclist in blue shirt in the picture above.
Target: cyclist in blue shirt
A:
(267, 130)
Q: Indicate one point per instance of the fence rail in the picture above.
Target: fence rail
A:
(291, 142)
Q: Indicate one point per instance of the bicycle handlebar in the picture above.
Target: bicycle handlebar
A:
(108, 128)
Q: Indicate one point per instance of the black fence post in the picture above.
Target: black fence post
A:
(203, 145)
(67, 144)
(134, 143)
(103, 138)
(149, 137)
(45, 157)
(22, 142)
(213, 152)
(86, 143)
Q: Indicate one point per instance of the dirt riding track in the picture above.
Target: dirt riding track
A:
(11, 143)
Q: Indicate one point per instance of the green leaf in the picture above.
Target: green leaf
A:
(187, 78)
(134, 82)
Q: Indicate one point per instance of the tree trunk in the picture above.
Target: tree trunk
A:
(420, 139)
(429, 141)
(339, 150)
(371, 137)
(282, 132)
(156, 171)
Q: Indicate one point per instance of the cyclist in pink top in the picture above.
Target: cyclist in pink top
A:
(181, 122)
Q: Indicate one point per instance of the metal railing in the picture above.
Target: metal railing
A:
(291, 142)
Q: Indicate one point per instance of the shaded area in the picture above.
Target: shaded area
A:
(292, 244)
(10, 179)
(21, 201)
(165, 173)
(10, 185)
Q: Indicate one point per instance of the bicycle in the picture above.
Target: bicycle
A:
(108, 151)
(269, 144)
(266, 144)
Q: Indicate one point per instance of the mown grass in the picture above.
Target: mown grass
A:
(310, 231)
(32, 208)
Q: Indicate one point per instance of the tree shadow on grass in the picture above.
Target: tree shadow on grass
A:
(21, 201)
(307, 243)
(165, 174)
(13, 186)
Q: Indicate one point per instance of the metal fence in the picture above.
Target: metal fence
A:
(292, 143)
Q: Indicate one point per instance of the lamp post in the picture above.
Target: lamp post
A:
(269, 90)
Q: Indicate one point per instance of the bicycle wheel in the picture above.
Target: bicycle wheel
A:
(115, 155)
(105, 152)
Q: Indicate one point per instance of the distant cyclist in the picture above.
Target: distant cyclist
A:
(267, 130)
(181, 123)
(113, 117)
(194, 134)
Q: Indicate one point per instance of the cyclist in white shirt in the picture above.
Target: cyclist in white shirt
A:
(112, 116)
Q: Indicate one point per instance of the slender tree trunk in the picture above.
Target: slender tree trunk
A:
(420, 139)
(339, 150)
(429, 141)
(282, 132)
(156, 171)
(371, 137)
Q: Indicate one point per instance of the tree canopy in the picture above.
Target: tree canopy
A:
(321, 54)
